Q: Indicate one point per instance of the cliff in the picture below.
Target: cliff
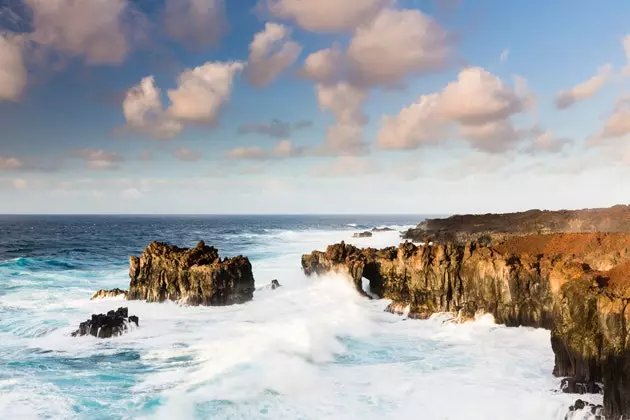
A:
(576, 285)
(196, 276)
(488, 227)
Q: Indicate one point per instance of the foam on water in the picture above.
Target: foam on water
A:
(311, 349)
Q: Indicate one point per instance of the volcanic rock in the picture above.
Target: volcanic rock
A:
(275, 284)
(362, 235)
(195, 276)
(105, 326)
(102, 294)
(383, 229)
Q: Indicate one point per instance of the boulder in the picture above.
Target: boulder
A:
(362, 235)
(574, 386)
(195, 276)
(383, 229)
(102, 294)
(585, 410)
(108, 325)
(275, 284)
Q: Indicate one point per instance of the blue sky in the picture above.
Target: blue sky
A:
(437, 106)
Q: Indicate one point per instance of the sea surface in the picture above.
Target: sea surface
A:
(312, 349)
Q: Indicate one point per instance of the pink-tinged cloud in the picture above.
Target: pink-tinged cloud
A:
(270, 53)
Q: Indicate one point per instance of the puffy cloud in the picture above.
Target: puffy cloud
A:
(198, 99)
(345, 101)
(270, 53)
(99, 159)
(545, 141)
(415, 125)
(584, 90)
(327, 15)
(396, 44)
(142, 108)
(10, 163)
(617, 124)
(324, 66)
(13, 75)
(186, 155)
(202, 92)
(479, 102)
(195, 23)
(479, 97)
(284, 149)
(97, 29)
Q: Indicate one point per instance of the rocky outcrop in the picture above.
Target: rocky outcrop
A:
(496, 227)
(113, 293)
(195, 276)
(362, 235)
(584, 410)
(113, 324)
(383, 229)
(576, 285)
(275, 284)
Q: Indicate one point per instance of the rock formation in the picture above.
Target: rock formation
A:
(383, 229)
(102, 294)
(196, 276)
(275, 284)
(362, 235)
(489, 227)
(576, 285)
(105, 326)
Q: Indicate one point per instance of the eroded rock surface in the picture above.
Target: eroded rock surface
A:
(576, 285)
(195, 276)
(103, 294)
(112, 324)
(365, 234)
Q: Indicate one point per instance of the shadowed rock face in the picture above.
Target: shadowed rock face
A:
(576, 285)
(490, 227)
(113, 324)
(102, 294)
(196, 276)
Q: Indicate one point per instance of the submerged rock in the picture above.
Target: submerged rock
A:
(574, 386)
(576, 285)
(383, 229)
(195, 276)
(584, 410)
(105, 326)
(362, 235)
(275, 284)
(102, 294)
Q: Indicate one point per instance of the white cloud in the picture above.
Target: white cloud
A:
(346, 166)
(97, 29)
(142, 108)
(13, 75)
(327, 15)
(284, 149)
(584, 90)
(546, 141)
(397, 44)
(345, 101)
(10, 163)
(99, 159)
(324, 66)
(202, 92)
(19, 183)
(617, 124)
(196, 23)
(187, 155)
(505, 54)
(198, 99)
(270, 53)
(132, 194)
(479, 102)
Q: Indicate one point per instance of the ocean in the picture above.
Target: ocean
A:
(312, 349)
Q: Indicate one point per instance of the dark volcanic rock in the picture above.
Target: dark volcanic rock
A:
(196, 276)
(576, 285)
(486, 227)
(593, 411)
(362, 235)
(102, 294)
(105, 326)
(275, 284)
(384, 229)
(573, 386)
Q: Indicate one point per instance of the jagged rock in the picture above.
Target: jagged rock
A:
(398, 308)
(497, 227)
(105, 326)
(576, 285)
(593, 411)
(383, 229)
(195, 276)
(362, 235)
(275, 284)
(102, 294)
(573, 386)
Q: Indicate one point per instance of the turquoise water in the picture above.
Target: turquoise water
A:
(312, 349)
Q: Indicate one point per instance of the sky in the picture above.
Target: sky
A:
(313, 106)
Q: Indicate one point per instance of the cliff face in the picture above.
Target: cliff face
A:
(576, 285)
(196, 276)
(487, 227)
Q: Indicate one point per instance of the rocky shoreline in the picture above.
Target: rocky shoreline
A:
(575, 285)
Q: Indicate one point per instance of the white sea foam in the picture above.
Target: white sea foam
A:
(311, 349)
